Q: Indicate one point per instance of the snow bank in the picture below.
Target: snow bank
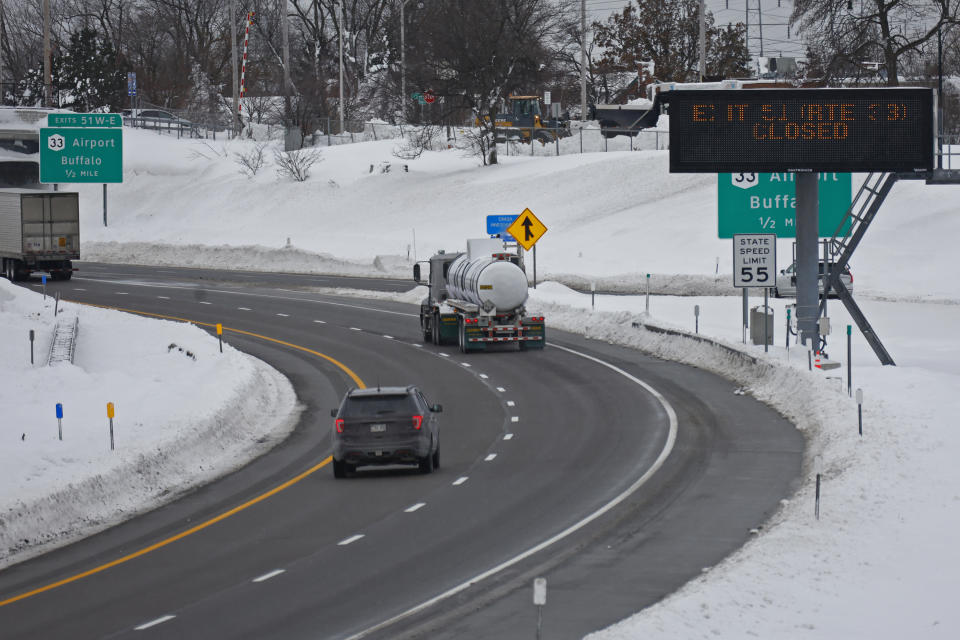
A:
(184, 415)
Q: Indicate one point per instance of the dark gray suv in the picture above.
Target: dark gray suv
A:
(386, 425)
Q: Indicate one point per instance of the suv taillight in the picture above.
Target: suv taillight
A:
(417, 422)
(339, 425)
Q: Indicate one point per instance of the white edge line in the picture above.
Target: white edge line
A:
(350, 540)
(267, 576)
(642, 480)
(415, 507)
(154, 623)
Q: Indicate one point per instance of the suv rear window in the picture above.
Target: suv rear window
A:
(361, 406)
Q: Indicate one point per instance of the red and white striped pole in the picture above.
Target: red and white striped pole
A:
(243, 66)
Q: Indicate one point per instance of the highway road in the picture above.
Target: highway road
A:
(616, 476)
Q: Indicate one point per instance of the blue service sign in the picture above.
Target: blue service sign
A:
(59, 410)
(131, 83)
(497, 225)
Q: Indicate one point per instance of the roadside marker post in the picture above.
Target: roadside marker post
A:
(60, 420)
(849, 363)
(539, 599)
(860, 411)
(696, 318)
(110, 416)
(43, 280)
(593, 294)
(648, 294)
(31, 346)
(220, 335)
(818, 469)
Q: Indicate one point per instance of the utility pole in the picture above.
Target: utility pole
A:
(234, 124)
(583, 60)
(289, 141)
(340, 5)
(47, 73)
(403, 62)
(703, 42)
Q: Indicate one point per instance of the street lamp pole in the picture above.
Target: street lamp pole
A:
(939, 97)
(403, 63)
(340, 5)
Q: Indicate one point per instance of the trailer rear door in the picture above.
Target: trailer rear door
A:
(51, 225)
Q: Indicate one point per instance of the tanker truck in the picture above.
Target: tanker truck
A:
(477, 298)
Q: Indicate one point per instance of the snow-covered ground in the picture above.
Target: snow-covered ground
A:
(880, 562)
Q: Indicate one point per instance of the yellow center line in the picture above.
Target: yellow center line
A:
(215, 519)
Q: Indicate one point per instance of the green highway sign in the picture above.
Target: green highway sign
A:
(81, 155)
(84, 120)
(767, 203)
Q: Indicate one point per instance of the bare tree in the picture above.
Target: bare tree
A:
(881, 32)
(473, 54)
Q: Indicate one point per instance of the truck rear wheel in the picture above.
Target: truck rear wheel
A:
(435, 327)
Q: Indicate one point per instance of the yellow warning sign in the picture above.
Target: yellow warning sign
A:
(527, 229)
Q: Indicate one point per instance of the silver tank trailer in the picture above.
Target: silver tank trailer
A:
(487, 282)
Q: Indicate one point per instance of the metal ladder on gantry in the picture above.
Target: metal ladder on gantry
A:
(863, 209)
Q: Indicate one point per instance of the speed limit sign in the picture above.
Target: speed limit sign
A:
(56, 142)
(754, 260)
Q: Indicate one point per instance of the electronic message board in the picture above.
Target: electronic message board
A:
(801, 130)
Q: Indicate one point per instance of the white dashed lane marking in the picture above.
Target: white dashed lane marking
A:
(514, 418)
(511, 403)
(355, 329)
(501, 389)
(154, 623)
(459, 481)
(243, 309)
(320, 321)
(508, 436)
(205, 302)
(388, 337)
(122, 293)
(350, 540)
(415, 507)
(490, 457)
(164, 297)
(484, 376)
(267, 576)
(284, 315)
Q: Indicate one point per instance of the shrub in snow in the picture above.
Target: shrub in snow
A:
(296, 164)
(252, 160)
(416, 141)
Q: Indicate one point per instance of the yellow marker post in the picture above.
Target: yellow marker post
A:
(110, 416)
(220, 335)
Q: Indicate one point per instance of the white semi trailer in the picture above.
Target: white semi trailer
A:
(39, 231)
(477, 298)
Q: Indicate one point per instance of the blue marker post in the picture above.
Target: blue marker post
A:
(60, 420)
(43, 279)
